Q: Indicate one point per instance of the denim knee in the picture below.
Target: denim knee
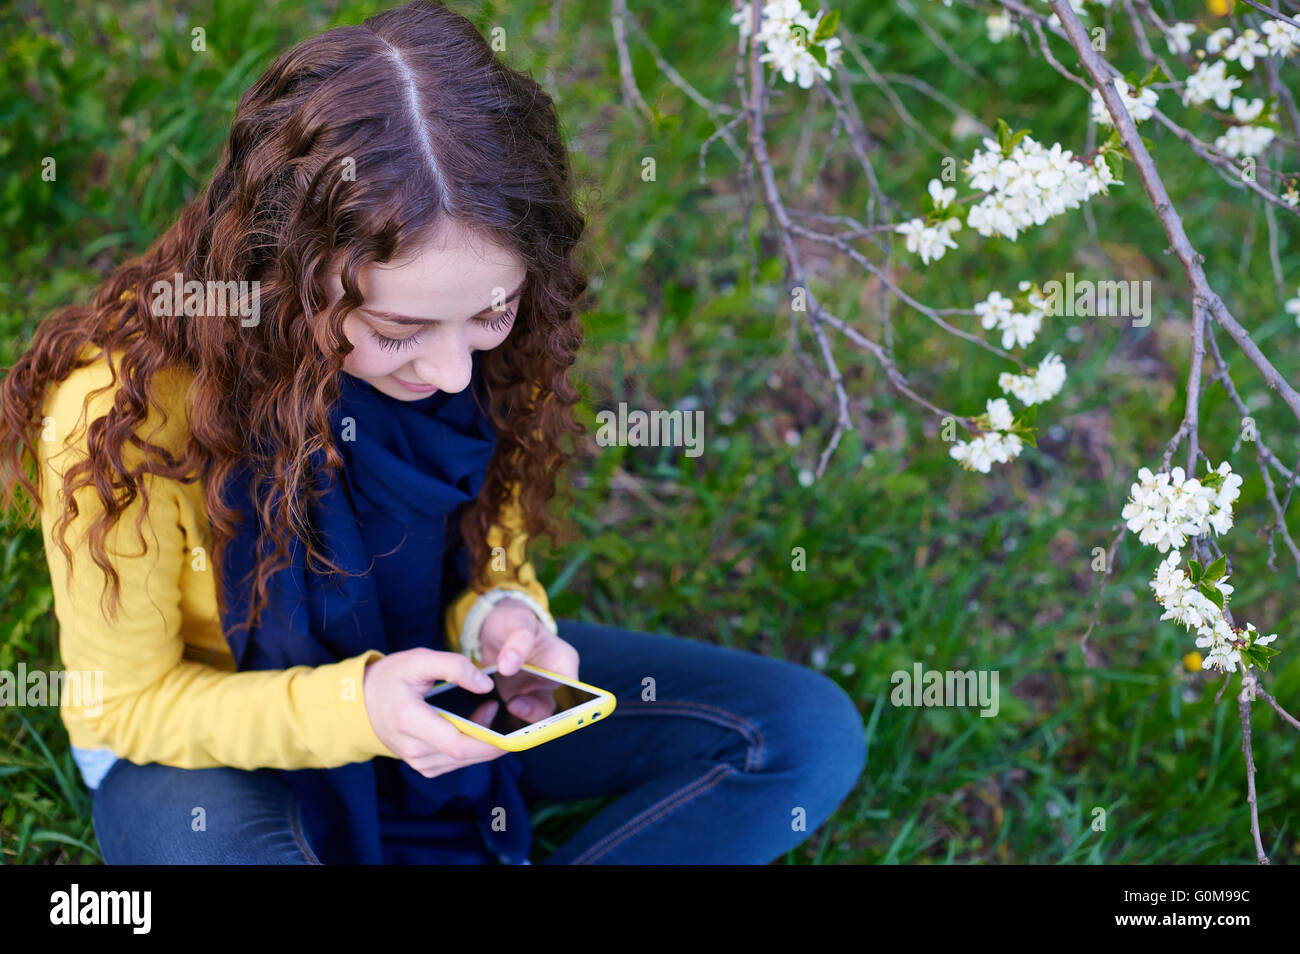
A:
(821, 733)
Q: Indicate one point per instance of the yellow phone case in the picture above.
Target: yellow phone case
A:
(564, 726)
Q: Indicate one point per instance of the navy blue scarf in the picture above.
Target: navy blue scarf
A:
(410, 467)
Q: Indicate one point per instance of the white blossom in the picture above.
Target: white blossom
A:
(1138, 102)
(785, 31)
(1216, 40)
(1293, 306)
(1244, 140)
(999, 26)
(1283, 38)
(1167, 508)
(1245, 48)
(1244, 110)
(1186, 604)
(999, 412)
(942, 197)
(1178, 37)
(1039, 385)
(1018, 328)
(929, 241)
(1210, 83)
(1029, 186)
(994, 310)
(981, 452)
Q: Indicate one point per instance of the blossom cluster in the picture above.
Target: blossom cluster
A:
(787, 32)
(1252, 131)
(998, 445)
(930, 240)
(1248, 138)
(1039, 385)
(1166, 510)
(1019, 328)
(1185, 601)
(1211, 82)
(1026, 183)
(1138, 101)
(1029, 185)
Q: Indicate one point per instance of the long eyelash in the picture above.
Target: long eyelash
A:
(397, 344)
(496, 324)
(393, 344)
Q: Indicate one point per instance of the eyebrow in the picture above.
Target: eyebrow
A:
(407, 320)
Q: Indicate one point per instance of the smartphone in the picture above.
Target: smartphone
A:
(565, 706)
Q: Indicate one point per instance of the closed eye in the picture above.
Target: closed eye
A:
(397, 344)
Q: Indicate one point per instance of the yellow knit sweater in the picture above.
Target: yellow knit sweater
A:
(171, 693)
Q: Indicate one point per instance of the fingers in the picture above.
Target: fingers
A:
(557, 656)
(438, 764)
(427, 667)
(424, 726)
(420, 726)
(510, 635)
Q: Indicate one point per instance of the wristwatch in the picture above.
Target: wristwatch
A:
(469, 632)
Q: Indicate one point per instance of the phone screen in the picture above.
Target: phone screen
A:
(554, 698)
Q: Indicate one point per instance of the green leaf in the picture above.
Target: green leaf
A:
(1259, 656)
(1026, 417)
(1116, 165)
(826, 29)
(1194, 570)
(1216, 569)
(1213, 594)
(818, 53)
(1011, 144)
(1004, 134)
(1155, 74)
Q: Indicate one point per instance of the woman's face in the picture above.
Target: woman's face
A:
(422, 319)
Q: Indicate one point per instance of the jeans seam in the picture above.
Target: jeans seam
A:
(295, 825)
(753, 757)
(653, 814)
(752, 734)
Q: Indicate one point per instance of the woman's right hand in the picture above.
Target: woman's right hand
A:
(394, 689)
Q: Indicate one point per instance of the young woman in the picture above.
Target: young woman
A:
(282, 522)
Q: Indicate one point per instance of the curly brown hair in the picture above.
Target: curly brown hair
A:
(352, 148)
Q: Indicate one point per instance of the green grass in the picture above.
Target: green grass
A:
(908, 558)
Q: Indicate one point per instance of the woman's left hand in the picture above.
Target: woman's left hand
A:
(512, 635)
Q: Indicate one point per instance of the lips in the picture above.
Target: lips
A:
(421, 388)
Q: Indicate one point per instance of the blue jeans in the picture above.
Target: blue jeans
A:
(715, 756)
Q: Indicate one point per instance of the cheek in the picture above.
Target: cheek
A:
(367, 358)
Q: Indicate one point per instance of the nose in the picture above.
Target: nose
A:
(447, 372)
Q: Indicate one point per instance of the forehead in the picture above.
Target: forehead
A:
(449, 278)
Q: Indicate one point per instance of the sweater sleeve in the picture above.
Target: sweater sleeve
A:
(502, 560)
(156, 706)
